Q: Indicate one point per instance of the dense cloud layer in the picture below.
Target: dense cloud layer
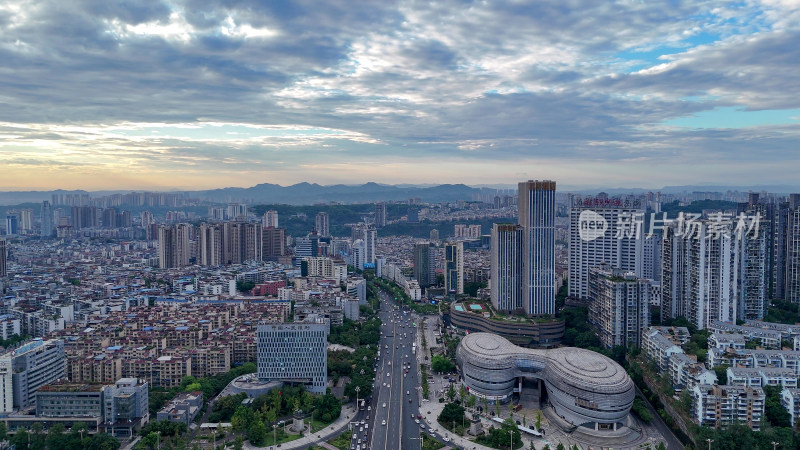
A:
(208, 93)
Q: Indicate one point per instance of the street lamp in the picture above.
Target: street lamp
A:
(358, 389)
(775, 445)
(274, 433)
(709, 440)
(511, 433)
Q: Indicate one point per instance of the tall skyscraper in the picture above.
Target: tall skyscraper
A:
(367, 233)
(147, 221)
(12, 224)
(210, 245)
(537, 212)
(791, 251)
(25, 220)
(454, 267)
(380, 214)
(84, 217)
(47, 227)
(236, 211)
(174, 247)
(242, 242)
(359, 254)
(506, 265)
(620, 244)
(425, 264)
(270, 219)
(3, 258)
(323, 224)
(110, 218)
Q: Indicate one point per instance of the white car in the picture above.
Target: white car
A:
(384, 405)
(422, 425)
(446, 439)
(383, 422)
(416, 420)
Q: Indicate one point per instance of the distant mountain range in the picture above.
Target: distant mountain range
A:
(311, 193)
(297, 194)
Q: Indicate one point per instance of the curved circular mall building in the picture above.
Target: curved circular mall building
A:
(584, 387)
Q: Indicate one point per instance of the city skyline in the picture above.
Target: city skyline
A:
(172, 95)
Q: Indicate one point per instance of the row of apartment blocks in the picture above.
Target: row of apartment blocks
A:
(712, 269)
(747, 372)
(216, 244)
(163, 344)
(712, 404)
(725, 267)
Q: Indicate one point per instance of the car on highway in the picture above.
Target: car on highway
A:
(383, 422)
(408, 392)
(416, 420)
(446, 439)
(409, 400)
(384, 405)
(422, 425)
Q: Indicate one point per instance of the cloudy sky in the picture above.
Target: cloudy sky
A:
(154, 94)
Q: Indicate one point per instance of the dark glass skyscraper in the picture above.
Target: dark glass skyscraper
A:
(537, 212)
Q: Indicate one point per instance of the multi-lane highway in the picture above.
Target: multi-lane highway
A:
(395, 399)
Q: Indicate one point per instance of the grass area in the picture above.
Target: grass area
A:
(281, 439)
(318, 425)
(429, 443)
(342, 442)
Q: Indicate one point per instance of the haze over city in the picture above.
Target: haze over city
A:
(187, 95)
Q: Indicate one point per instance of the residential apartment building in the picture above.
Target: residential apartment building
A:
(3, 258)
(620, 245)
(619, 307)
(454, 267)
(323, 224)
(380, 214)
(762, 376)
(174, 245)
(270, 219)
(711, 272)
(27, 368)
(274, 243)
(720, 405)
(425, 264)
(790, 399)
